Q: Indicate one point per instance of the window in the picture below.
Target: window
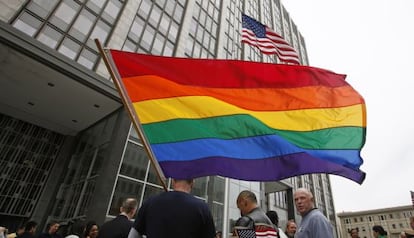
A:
(70, 26)
(49, 36)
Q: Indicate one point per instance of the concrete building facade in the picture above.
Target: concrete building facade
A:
(67, 147)
(393, 219)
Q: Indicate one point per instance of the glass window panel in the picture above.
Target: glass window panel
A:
(155, 16)
(208, 24)
(214, 28)
(164, 24)
(142, 50)
(125, 188)
(137, 28)
(83, 25)
(160, 3)
(193, 27)
(189, 46)
(218, 189)
(200, 187)
(135, 162)
(27, 24)
(169, 8)
(173, 31)
(87, 58)
(158, 43)
(102, 150)
(148, 37)
(217, 211)
(111, 10)
(133, 135)
(204, 4)
(64, 14)
(206, 39)
(197, 50)
(42, 7)
(49, 37)
(216, 15)
(212, 45)
(130, 46)
(204, 53)
(151, 191)
(211, 9)
(202, 18)
(199, 35)
(153, 177)
(178, 13)
(100, 32)
(145, 8)
(169, 49)
(69, 48)
(95, 5)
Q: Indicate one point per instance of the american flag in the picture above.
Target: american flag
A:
(246, 233)
(268, 41)
(262, 231)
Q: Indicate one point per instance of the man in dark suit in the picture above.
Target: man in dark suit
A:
(120, 226)
(174, 213)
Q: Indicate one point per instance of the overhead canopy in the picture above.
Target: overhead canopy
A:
(43, 87)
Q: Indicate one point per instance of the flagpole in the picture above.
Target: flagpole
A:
(131, 112)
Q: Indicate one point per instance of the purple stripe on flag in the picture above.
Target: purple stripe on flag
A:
(258, 170)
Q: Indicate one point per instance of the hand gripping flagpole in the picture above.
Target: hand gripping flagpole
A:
(110, 65)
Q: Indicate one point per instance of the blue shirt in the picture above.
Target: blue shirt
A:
(314, 225)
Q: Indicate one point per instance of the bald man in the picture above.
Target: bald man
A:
(175, 213)
(120, 226)
(253, 218)
(314, 224)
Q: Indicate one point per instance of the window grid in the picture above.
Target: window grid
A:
(252, 53)
(155, 27)
(204, 30)
(70, 26)
(232, 47)
(27, 154)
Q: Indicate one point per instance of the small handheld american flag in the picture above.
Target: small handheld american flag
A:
(261, 231)
(246, 233)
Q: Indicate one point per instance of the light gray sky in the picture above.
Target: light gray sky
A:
(372, 42)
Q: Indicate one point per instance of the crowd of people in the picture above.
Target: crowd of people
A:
(177, 213)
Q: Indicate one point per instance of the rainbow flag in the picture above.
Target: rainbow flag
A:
(245, 120)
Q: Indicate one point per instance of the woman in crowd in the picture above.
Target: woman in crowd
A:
(91, 230)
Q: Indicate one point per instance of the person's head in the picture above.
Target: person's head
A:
(91, 230)
(412, 222)
(291, 228)
(274, 218)
(183, 185)
(379, 230)
(129, 207)
(246, 201)
(354, 233)
(77, 228)
(52, 227)
(304, 201)
(20, 230)
(30, 227)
